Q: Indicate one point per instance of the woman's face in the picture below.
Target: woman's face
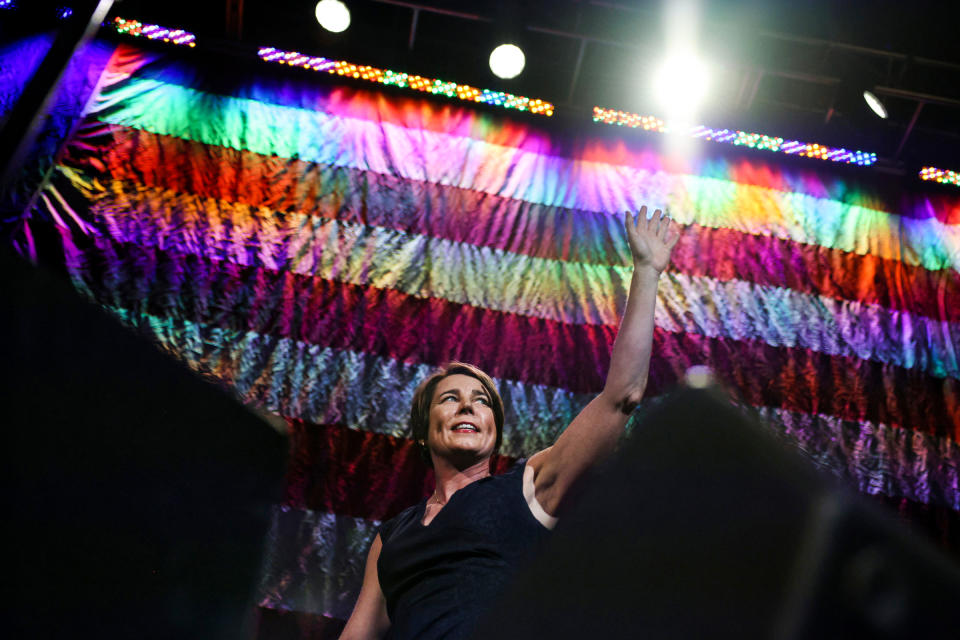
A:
(462, 426)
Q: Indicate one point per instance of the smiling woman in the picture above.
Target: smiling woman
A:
(460, 430)
(433, 570)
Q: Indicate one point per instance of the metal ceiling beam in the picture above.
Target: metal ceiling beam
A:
(812, 78)
(413, 28)
(909, 129)
(576, 71)
(445, 12)
(234, 19)
(753, 88)
(916, 97)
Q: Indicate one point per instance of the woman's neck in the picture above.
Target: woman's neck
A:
(450, 479)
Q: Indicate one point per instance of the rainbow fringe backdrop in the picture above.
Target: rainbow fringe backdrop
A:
(321, 248)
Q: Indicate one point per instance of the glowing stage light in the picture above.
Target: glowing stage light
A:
(333, 15)
(63, 13)
(154, 32)
(8, 4)
(737, 138)
(507, 61)
(407, 81)
(943, 176)
(680, 84)
(875, 105)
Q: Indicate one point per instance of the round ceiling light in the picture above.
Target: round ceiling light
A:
(681, 83)
(507, 61)
(333, 15)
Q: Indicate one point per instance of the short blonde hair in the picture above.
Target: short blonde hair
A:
(423, 397)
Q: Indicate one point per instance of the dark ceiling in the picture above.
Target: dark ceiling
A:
(793, 69)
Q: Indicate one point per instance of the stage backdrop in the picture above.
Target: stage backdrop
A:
(320, 248)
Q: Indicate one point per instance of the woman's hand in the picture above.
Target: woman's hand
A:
(651, 241)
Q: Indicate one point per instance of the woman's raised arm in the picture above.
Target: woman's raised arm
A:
(369, 619)
(595, 431)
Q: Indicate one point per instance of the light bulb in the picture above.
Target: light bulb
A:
(874, 103)
(507, 61)
(680, 84)
(333, 15)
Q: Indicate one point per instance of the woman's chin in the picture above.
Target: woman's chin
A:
(466, 456)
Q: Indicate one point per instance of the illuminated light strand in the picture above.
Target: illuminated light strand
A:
(627, 119)
(407, 81)
(154, 32)
(738, 138)
(8, 4)
(943, 176)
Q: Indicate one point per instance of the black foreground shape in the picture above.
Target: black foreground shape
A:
(706, 526)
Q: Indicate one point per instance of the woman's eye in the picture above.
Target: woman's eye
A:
(483, 401)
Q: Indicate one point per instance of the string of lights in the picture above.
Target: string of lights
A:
(738, 138)
(943, 176)
(407, 81)
(153, 32)
(627, 119)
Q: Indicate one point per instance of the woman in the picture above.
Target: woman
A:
(434, 569)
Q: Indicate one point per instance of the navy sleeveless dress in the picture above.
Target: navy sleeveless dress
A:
(440, 579)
